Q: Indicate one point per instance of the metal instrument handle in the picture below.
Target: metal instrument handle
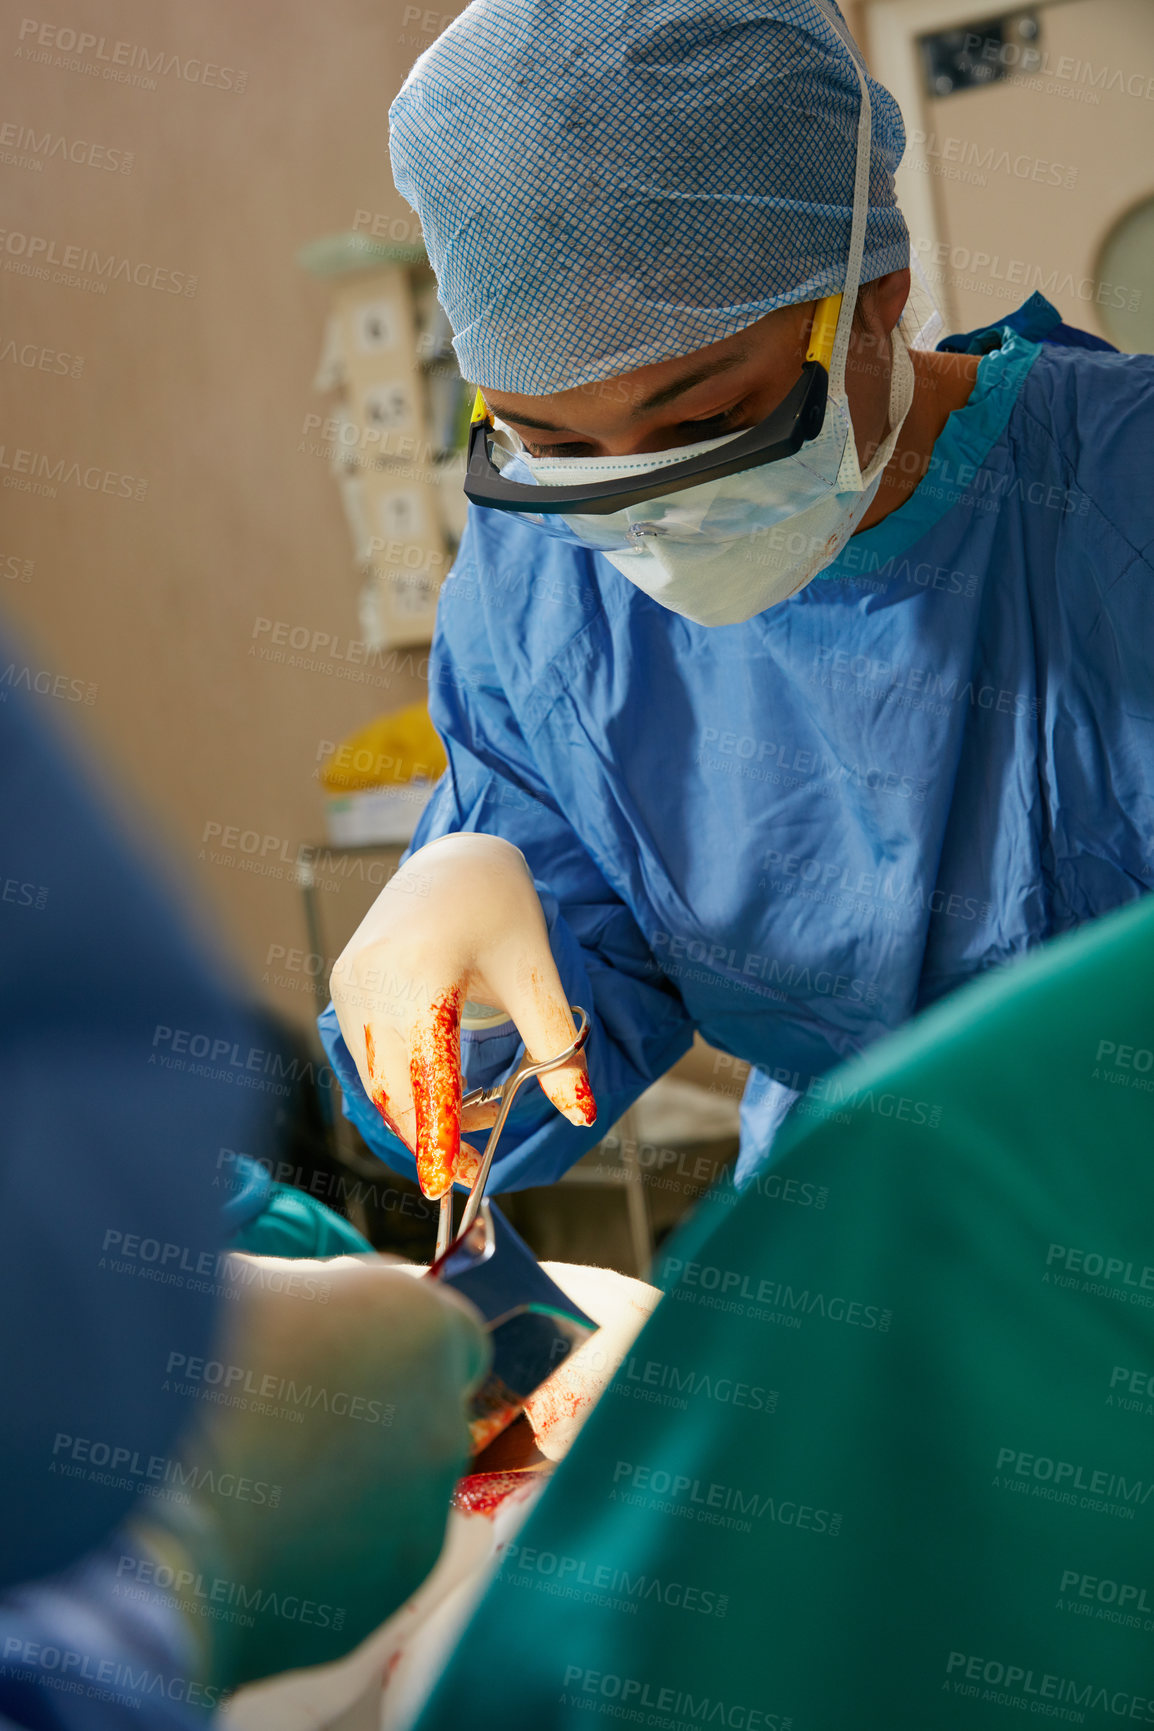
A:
(505, 1092)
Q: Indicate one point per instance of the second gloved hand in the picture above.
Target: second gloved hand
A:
(342, 1389)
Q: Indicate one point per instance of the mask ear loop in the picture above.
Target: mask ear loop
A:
(859, 218)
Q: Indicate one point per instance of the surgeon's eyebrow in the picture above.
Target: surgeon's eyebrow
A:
(658, 399)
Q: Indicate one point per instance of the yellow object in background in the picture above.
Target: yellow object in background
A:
(391, 751)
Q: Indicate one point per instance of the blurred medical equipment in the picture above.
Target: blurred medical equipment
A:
(1028, 154)
(395, 432)
(379, 780)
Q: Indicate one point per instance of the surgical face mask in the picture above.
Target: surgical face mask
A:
(724, 551)
(720, 552)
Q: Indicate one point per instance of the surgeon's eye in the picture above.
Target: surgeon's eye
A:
(573, 450)
(727, 421)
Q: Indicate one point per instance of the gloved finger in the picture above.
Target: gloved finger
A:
(533, 996)
(374, 991)
(468, 1336)
(436, 1321)
(468, 1165)
(435, 1075)
(479, 1117)
(475, 1121)
(389, 1086)
(387, 1077)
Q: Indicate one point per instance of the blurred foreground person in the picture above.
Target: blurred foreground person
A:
(883, 1457)
(210, 1468)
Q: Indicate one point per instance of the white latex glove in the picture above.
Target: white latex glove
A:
(460, 921)
(620, 1306)
(343, 1386)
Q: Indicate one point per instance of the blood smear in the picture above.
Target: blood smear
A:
(583, 1099)
(468, 1165)
(377, 1090)
(549, 1406)
(435, 1069)
(483, 1493)
(486, 1426)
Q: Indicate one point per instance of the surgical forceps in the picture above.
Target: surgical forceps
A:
(504, 1092)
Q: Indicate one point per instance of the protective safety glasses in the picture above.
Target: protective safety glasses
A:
(795, 420)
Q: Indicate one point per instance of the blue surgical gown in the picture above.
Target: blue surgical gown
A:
(122, 1058)
(792, 834)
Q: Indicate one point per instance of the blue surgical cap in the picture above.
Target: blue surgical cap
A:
(607, 183)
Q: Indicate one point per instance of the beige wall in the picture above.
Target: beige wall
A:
(203, 396)
(1016, 186)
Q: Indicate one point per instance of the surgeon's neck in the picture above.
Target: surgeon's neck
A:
(942, 384)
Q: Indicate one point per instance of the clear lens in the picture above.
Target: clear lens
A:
(712, 511)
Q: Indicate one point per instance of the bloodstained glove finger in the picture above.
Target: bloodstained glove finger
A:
(435, 1072)
(479, 1118)
(533, 995)
(394, 1104)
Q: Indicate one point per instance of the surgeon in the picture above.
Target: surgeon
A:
(791, 672)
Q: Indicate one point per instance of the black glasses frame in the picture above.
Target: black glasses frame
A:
(796, 419)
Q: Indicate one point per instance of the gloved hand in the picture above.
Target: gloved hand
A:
(319, 1486)
(460, 921)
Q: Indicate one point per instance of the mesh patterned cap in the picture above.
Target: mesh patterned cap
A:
(607, 183)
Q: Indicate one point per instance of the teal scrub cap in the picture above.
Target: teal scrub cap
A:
(607, 183)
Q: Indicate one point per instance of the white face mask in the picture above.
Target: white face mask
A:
(721, 552)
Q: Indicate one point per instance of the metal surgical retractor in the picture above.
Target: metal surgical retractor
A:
(504, 1092)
